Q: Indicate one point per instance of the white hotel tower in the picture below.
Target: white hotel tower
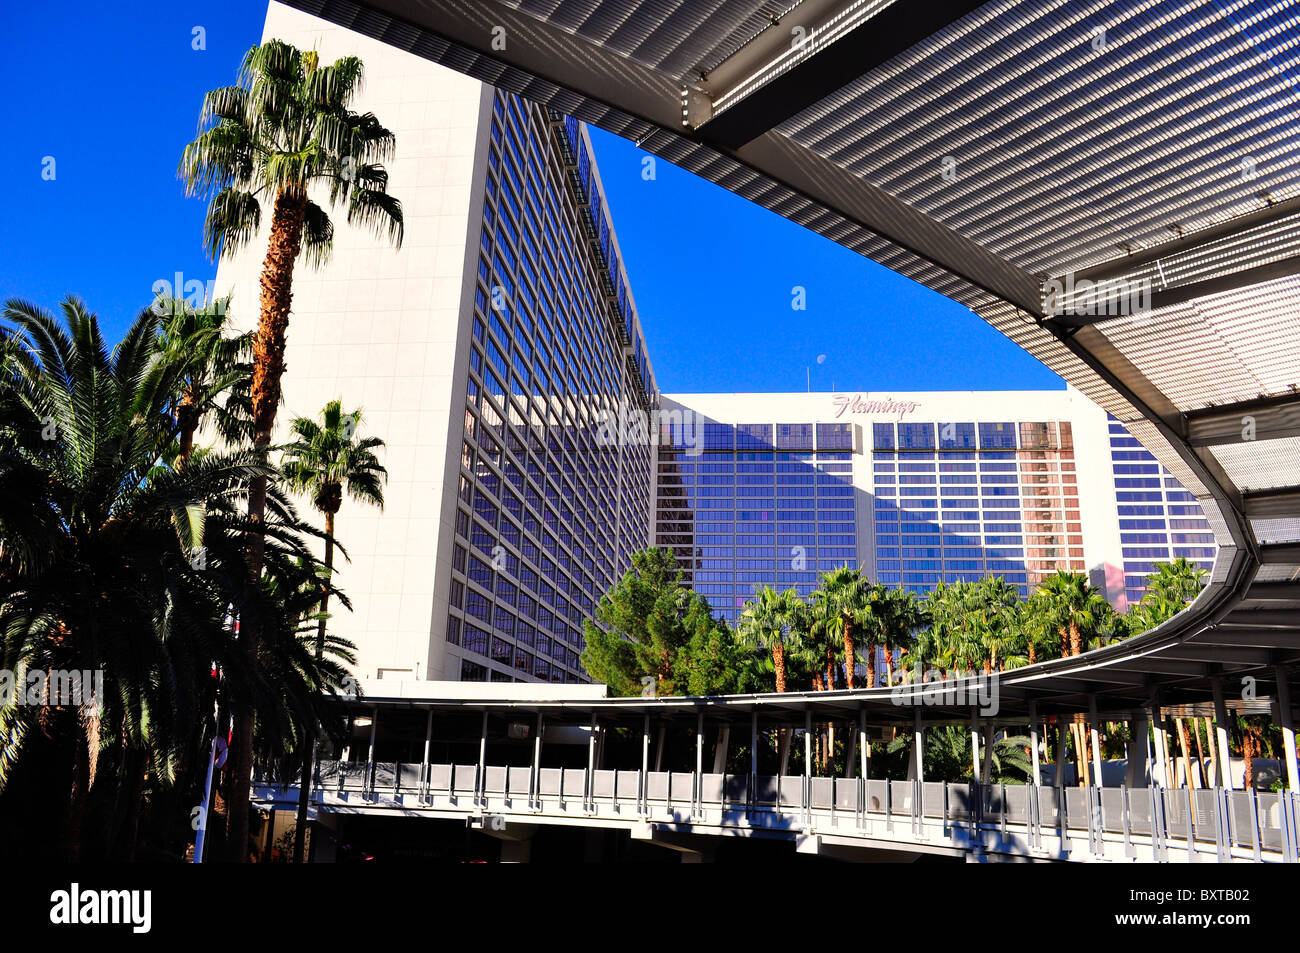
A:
(485, 351)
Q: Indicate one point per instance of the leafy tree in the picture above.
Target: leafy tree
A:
(285, 128)
(650, 626)
(716, 662)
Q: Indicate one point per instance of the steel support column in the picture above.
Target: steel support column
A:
(1159, 738)
(535, 782)
(424, 764)
(1288, 728)
(864, 747)
(370, 752)
(699, 763)
(589, 781)
(643, 799)
(918, 744)
(1095, 736)
(1033, 743)
(481, 768)
(807, 765)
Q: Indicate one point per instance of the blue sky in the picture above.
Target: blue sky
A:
(112, 94)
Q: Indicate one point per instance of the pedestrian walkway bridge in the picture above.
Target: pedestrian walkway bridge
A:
(849, 818)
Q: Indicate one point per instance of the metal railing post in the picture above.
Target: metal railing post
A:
(1222, 844)
(535, 774)
(643, 782)
(1125, 804)
(480, 782)
(1254, 823)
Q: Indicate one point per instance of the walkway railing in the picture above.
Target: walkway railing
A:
(1074, 823)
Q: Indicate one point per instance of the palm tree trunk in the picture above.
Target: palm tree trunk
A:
(830, 669)
(80, 783)
(871, 664)
(268, 368)
(1248, 756)
(778, 663)
(1186, 749)
(138, 773)
(187, 417)
(1212, 743)
(850, 659)
(309, 736)
(1033, 656)
(1076, 643)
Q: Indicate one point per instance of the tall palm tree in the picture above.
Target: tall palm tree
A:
(993, 611)
(772, 621)
(933, 642)
(1078, 613)
(842, 599)
(901, 617)
(285, 128)
(1073, 608)
(819, 653)
(327, 458)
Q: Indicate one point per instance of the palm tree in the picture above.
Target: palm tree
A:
(113, 561)
(933, 642)
(822, 645)
(771, 620)
(284, 128)
(1073, 608)
(209, 370)
(900, 618)
(992, 614)
(109, 561)
(1036, 631)
(326, 459)
(1169, 590)
(842, 600)
(1078, 613)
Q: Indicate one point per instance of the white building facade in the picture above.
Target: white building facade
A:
(484, 353)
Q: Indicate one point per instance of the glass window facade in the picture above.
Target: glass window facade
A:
(547, 516)
(958, 501)
(742, 513)
(1158, 519)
